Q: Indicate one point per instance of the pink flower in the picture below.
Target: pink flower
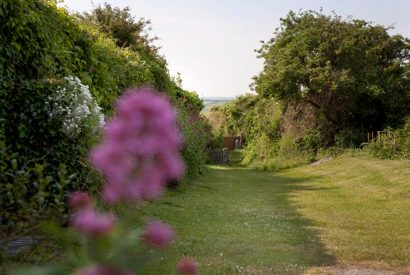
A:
(158, 234)
(140, 151)
(102, 270)
(79, 200)
(113, 161)
(92, 223)
(171, 164)
(149, 120)
(187, 267)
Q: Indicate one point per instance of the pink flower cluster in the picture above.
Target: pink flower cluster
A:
(187, 267)
(79, 200)
(92, 223)
(140, 149)
(86, 219)
(158, 234)
(102, 270)
(138, 156)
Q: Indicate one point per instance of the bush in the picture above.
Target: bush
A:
(404, 139)
(216, 140)
(196, 135)
(384, 148)
(391, 144)
(285, 153)
(54, 126)
(349, 138)
(29, 193)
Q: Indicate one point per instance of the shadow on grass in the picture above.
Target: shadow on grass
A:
(236, 219)
(291, 244)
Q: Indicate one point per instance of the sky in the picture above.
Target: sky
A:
(212, 42)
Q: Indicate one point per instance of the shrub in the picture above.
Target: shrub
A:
(196, 137)
(404, 139)
(55, 125)
(350, 138)
(266, 154)
(216, 140)
(385, 147)
(30, 193)
(391, 144)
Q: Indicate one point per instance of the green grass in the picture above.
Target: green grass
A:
(348, 211)
(361, 207)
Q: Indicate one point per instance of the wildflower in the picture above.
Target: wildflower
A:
(158, 234)
(140, 149)
(75, 108)
(187, 267)
(79, 200)
(147, 122)
(92, 223)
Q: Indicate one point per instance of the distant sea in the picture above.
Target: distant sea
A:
(215, 101)
(218, 98)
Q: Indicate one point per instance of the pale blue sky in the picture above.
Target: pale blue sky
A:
(211, 42)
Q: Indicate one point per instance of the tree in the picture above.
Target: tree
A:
(126, 30)
(351, 71)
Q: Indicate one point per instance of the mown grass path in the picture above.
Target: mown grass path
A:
(235, 219)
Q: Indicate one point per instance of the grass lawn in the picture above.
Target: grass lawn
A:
(348, 211)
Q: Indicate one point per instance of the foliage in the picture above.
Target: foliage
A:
(266, 154)
(252, 116)
(112, 70)
(352, 72)
(133, 141)
(391, 144)
(196, 134)
(190, 100)
(349, 138)
(45, 143)
(40, 46)
(122, 26)
(29, 193)
(326, 81)
(131, 37)
(258, 120)
(216, 140)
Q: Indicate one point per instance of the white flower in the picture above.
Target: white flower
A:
(75, 107)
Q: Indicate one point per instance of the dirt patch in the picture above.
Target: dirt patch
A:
(323, 160)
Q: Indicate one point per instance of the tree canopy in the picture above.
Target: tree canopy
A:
(353, 72)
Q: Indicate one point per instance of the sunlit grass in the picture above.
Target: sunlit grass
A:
(347, 211)
(361, 208)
